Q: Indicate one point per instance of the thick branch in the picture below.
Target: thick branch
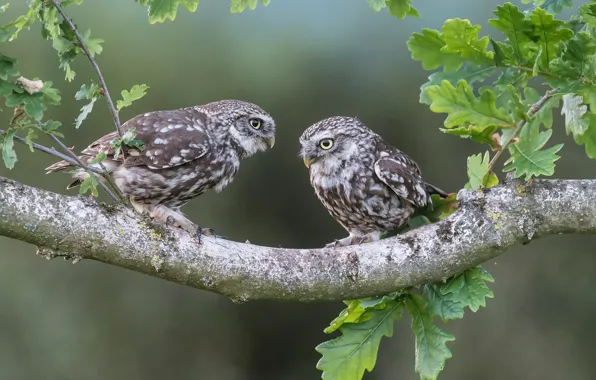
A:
(486, 224)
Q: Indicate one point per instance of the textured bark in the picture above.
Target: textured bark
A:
(485, 225)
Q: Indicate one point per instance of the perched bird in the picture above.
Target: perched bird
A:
(368, 186)
(185, 152)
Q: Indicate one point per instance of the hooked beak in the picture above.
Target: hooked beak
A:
(271, 142)
(307, 161)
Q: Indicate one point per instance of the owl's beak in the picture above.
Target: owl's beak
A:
(307, 161)
(271, 142)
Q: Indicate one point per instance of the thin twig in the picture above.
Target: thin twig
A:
(51, 152)
(84, 166)
(102, 82)
(534, 108)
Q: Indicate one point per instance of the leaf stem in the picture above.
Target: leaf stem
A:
(102, 81)
(534, 108)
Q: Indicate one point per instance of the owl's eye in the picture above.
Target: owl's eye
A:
(326, 144)
(255, 123)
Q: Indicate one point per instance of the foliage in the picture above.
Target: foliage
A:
(486, 85)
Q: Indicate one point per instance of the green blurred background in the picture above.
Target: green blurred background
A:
(302, 60)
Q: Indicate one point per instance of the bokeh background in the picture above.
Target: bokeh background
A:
(302, 61)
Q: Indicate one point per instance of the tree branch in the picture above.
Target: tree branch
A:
(485, 225)
(102, 82)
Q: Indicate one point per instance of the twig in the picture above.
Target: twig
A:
(533, 109)
(102, 82)
(84, 166)
(51, 152)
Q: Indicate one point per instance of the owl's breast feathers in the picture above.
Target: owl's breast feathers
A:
(378, 191)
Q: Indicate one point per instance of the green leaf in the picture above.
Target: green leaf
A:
(428, 48)
(513, 23)
(347, 357)
(550, 33)
(8, 67)
(527, 158)
(89, 184)
(442, 306)
(468, 289)
(442, 207)
(136, 93)
(162, 10)
(588, 138)
(31, 135)
(51, 26)
(32, 104)
(461, 37)
(468, 72)
(350, 314)
(87, 92)
(9, 156)
(376, 5)
(431, 341)
(574, 110)
(473, 132)
(587, 13)
(26, 20)
(240, 5)
(555, 6)
(50, 95)
(478, 173)
(93, 44)
(90, 92)
(574, 63)
(464, 108)
(67, 53)
(100, 157)
(49, 126)
(402, 8)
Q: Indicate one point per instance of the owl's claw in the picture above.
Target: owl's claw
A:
(364, 239)
(207, 232)
(169, 221)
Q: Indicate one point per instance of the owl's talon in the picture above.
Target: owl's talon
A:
(207, 232)
(169, 221)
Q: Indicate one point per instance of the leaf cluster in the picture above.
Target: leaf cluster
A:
(364, 322)
(485, 85)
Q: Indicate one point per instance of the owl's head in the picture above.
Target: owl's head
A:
(332, 141)
(250, 126)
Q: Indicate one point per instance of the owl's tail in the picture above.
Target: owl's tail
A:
(79, 174)
(431, 189)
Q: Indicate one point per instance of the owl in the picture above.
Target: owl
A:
(368, 186)
(184, 153)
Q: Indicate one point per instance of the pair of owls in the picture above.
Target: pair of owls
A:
(368, 186)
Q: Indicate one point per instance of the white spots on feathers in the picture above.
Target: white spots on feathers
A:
(160, 141)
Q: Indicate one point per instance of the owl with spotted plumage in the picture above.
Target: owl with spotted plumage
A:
(185, 153)
(368, 186)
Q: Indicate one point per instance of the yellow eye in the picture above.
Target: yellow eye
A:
(326, 144)
(255, 123)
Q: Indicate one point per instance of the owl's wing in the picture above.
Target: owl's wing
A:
(170, 138)
(402, 175)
